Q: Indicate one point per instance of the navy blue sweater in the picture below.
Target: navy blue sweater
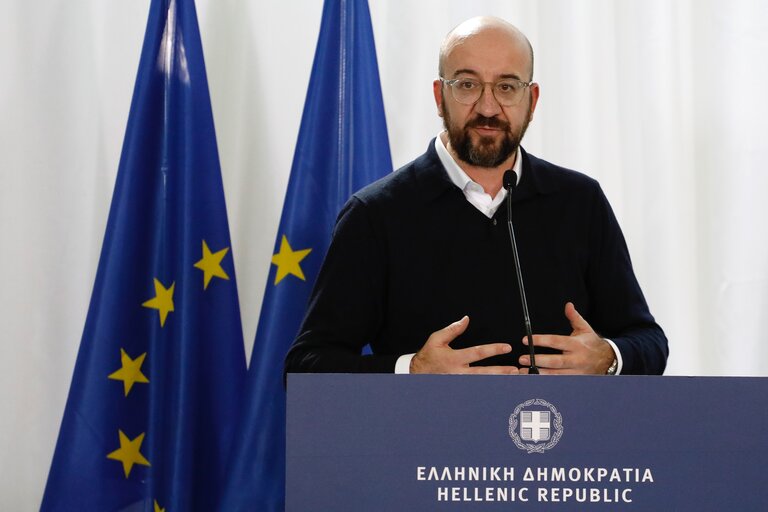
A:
(410, 255)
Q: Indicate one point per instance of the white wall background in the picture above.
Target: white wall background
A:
(663, 101)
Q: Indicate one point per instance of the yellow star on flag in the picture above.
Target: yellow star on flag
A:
(211, 264)
(157, 507)
(130, 372)
(128, 453)
(162, 301)
(287, 261)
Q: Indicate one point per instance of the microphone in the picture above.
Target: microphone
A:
(510, 181)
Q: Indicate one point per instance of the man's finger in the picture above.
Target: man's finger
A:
(447, 334)
(560, 371)
(577, 321)
(550, 340)
(480, 352)
(542, 371)
(551, 361)
(493, 370)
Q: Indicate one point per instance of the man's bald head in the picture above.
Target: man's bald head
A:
(481, 25)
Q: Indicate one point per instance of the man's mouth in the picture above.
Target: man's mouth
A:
(488, 125)
(486, 129)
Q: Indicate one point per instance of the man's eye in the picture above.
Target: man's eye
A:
(467, 84)
(506, 87)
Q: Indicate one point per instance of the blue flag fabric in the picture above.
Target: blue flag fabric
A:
(157, 387)
(342, 146)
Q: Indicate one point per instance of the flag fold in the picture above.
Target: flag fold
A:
(342, 146)
(156, 393)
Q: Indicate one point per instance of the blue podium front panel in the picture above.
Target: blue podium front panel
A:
(413, 443)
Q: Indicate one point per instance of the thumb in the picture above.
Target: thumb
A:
(578, 323)
(447, 334)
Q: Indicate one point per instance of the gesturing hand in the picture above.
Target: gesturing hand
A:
(583, 352)
(436, 356)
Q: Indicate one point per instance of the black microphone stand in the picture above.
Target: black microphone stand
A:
(510, 180)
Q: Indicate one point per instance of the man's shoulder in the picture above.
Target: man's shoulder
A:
(549, 178)
(554, 177)
(407, 184)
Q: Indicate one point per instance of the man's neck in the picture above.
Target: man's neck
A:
(490, 178)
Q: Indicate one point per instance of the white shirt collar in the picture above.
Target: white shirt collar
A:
(457, 174)
(472, 190)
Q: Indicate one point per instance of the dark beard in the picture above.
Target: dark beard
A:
(485, 153)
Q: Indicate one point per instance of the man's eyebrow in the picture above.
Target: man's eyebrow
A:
(465, 71)
(468, 71)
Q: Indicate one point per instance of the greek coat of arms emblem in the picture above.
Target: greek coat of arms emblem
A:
(535, 426)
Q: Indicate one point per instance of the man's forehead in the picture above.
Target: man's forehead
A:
(486, 44)
(483, 53)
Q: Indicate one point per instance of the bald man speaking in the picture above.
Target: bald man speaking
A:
(421, 266)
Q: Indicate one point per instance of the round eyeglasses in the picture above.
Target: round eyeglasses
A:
(467, 91)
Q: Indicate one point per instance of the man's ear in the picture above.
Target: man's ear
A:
(437, 90)
(534, 100)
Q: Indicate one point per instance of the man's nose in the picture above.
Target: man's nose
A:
(487, 104)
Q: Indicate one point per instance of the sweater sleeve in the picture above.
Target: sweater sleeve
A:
(618, 308)
(346, 308)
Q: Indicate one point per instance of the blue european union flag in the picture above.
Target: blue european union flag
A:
(342, 146)
(157, 387)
